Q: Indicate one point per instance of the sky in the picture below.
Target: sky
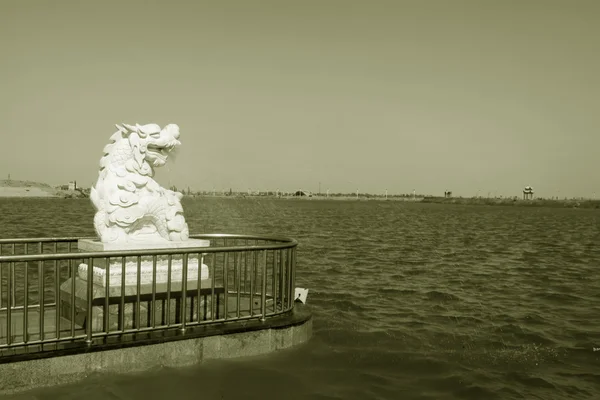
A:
(469, 96)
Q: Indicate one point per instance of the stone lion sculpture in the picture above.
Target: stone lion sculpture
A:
(130, 204)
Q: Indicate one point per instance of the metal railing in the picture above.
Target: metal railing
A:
(49, 293)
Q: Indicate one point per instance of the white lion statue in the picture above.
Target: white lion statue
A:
(130, 204)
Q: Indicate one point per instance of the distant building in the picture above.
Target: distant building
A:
(448, 194)
(70, 186)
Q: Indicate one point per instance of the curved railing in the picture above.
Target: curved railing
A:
(49, 295)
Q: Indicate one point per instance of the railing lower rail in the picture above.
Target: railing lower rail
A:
(49, 293)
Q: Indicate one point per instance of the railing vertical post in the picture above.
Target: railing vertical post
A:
(235, 273)
(225, 283)
(252, 268)
(169, 267)
(69, 250)
(281, 271)
(256, 255)
(274, 279)
(12, 277)
(137, 292)
(246, 267)
(184, 290)
(122, 307)
(199, 287)
(41, 292)
(57, 292)
(237, 264)
(73, 279)
(289, 280)
(212, 287)
(293, 277)
(263, 299)
(107, 297)
(89, 322)
(153, 314)
(9, 304)
(26, 302)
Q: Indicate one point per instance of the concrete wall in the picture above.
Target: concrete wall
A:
(25, 375)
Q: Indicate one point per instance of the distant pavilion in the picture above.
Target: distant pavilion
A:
(528, 193)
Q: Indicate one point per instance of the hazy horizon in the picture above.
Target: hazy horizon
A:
(468, 96)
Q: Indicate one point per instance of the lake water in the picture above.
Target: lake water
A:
(410, 301)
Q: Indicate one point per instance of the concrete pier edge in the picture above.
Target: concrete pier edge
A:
(136, 353)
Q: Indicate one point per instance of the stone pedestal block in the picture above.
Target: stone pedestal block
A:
(195, 263)
(130, 310)
(111, 275)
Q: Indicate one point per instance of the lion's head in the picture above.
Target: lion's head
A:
(150, 143)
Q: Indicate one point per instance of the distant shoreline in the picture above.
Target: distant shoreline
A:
(484, 201)
(472, 201)
(15, 189)
(319, 198)
(27, 189)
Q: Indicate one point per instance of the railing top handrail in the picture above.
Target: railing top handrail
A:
(281, 243)
(194, 236)
(239, 236)
(42, 240)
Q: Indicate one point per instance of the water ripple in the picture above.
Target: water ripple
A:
(410, 301)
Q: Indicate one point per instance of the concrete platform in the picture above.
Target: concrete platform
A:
(33, 319)
(140, 352)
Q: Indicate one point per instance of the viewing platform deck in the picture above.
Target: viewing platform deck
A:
(236, 300)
